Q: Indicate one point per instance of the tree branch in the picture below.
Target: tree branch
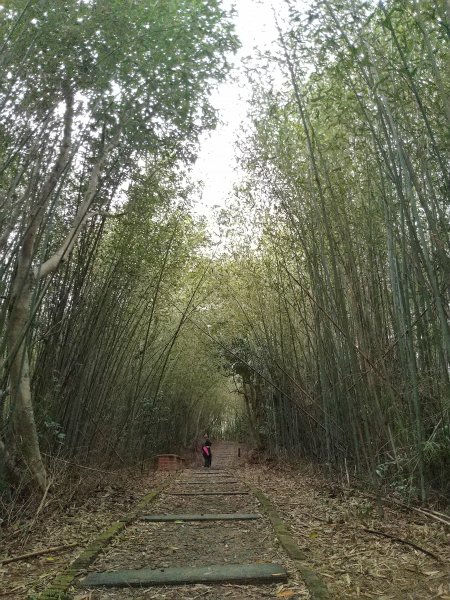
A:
(7, 561)
(82, 216)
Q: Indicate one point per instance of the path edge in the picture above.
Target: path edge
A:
(316, 586)
(60, 585)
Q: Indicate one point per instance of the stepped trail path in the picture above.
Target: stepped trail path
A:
(239, 531)
(207, 534)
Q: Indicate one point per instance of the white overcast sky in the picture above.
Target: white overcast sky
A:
(216, 163)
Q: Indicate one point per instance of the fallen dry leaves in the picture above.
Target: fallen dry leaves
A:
(330, 525)
(75, 524)
(185, 543)
(335, 528)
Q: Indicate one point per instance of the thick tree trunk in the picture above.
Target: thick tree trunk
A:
(26, 441)
(24, 425)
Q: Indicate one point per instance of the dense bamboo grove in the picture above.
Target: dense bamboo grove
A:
(101, 107)
(347, 312)
(322, 331)
(116, 346)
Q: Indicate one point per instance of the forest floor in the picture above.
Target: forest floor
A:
(74, 518)
(339, 529)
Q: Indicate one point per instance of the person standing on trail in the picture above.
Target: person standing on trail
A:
(206, 450)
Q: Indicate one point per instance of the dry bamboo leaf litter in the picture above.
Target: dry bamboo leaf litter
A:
(77, 523)
(162, 544)
(326, 522)
(328, 525)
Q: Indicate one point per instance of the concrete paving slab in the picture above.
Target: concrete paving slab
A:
(242, 573)
(206, 493)
(209, 482)
(207, 517)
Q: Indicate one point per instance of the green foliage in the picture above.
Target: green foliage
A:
(146, 66)
(132, 356)
(344, 302)
(325, 330)
(101, 106)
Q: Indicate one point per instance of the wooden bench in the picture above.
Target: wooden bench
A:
(169, 462)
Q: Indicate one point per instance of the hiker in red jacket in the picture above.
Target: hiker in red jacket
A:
(206, 450)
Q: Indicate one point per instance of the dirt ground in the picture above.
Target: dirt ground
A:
(161, 545)
(339, 530)
(77, 520)
(330, 525)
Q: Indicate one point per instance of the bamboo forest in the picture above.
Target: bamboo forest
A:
(305, 318)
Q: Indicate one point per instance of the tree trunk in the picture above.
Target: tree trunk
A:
(24, 425)
(26, 441)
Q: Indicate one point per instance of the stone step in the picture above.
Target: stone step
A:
(205, 482)
(207, 517)
(218, 475)
(211, 472)
(244, 573)
(206, 493)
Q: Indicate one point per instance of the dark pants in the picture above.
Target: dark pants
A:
(207, 458)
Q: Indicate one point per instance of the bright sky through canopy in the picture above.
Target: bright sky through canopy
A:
(216, 164)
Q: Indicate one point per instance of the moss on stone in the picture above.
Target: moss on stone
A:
(314, 583)
(60, 585)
